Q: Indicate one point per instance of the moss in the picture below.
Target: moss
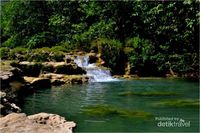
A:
(151, 93)
(105, 110)
(4, 52)
(179, 103)
(5, 65)
(47, 68)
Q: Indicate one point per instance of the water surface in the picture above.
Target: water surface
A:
(71, 100)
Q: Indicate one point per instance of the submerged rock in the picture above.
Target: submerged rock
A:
(179, 103)
(38, 123)
(105, 110)
(151, 93)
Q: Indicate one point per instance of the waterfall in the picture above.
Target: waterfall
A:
(95, 73)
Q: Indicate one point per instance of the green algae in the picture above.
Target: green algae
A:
(106, 110)
(151, 93)
(179, 103)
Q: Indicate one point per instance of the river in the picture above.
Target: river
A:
(114, 106)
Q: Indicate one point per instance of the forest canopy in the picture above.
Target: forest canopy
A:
(155, 37)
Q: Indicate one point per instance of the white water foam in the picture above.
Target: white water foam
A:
(96, 73)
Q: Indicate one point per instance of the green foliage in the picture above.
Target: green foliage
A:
(46, 54)
(110, 52)
(139, 53)
(4, 52)
(18, 53)
(39, 40)
(162, 35)
(11, 42)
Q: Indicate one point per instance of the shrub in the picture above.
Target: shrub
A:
(139, 52)
(57, 56)
(18, 53)
(63, 46)
(4, 52)
(40, 40)
(11, 42)
(40, 54)
(111, 53)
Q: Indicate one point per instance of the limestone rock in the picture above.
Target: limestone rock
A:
(38, 123)
(6, 105)
(2, 94)
(29, 68)
(70, 69)
(9, 75)
(93, 58)
(38, 82)
(67, 79)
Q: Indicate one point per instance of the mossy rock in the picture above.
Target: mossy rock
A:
(69, 69)
(105, 110)
(150, 93)
(194, 103)
(47, 68)
(29, 68)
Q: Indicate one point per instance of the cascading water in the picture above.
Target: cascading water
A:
(95, 73)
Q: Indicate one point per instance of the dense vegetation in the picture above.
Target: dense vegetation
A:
(155, 38)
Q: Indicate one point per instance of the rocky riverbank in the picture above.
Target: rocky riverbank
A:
(14, 85)
(19, 78)
(38, 123)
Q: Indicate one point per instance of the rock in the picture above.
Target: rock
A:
(70, 69)
(1, 107)
(57, 82)
(57, 79)
(15, 108)
(11, 82)
(9, 75)
(16, 86)
(2, 94)
(38, 82)
(32, 69)
(38, 123)
(92, 58)
(69, 59)
(6, 105)
(46, 67)
(131, 76)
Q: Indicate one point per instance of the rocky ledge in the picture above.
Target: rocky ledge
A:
(38, 123)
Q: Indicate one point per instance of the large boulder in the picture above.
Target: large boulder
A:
(9, 75)
(38, 82)
(32, 69)
(69, 69)
(38, 123)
